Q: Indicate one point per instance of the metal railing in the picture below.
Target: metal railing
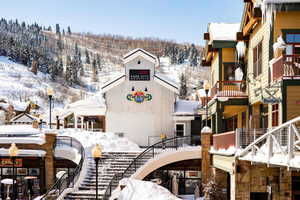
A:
(287, 66)
(244, 137)
(66, 181)
(147, 154)
(229, 89)
(278, 146)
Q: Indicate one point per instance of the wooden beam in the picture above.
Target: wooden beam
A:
(206, 36)
(249, 25)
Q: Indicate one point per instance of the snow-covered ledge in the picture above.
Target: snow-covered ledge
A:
(168, 157)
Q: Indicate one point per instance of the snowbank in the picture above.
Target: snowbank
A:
(136, 190)
(18, 130)
(110, 142)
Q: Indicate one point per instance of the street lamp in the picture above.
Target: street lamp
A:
(13, 153)
(206, 88)
(50, 93)
(57, 120)
(97, 154)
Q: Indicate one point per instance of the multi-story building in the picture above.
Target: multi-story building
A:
(256, 99)
(229, 99)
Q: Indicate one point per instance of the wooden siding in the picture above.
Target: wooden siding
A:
(286, 20)
(293, 102)
(215, 68)
(261, 33)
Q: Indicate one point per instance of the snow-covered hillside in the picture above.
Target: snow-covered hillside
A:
(18, 83)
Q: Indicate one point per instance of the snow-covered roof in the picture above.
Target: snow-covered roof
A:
(23, 140)
(24, 118)
(223, 31)
(93, 106)
(18, 130)
(113, 83)
(139, 52)
(4, 105)
(185, 107)
(280, 1)
(164, 81)
(20, 106)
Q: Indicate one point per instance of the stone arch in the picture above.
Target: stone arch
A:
(165, 159)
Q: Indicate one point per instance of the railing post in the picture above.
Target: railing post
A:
(176, 142)
(153, 152)
(270, 147)
(290, 144)
(237, 138)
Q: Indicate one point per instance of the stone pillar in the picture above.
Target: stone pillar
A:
(206, 141)
(49, 159)
(285, 186)
(242, 180)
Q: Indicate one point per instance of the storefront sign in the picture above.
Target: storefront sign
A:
(7, 162)
(139, 97)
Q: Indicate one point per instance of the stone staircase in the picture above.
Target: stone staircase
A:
(110, 164)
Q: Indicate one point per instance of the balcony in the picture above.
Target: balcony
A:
(239, 139)
(286, 67)
(229, 89)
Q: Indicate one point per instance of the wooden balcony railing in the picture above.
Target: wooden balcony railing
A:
(286, 67)
(229, 89)
(224, 140)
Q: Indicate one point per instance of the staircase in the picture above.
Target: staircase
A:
(110, 164)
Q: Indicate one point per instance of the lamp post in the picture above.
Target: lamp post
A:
(206, 88)
(50, 93)
(97, 154)
(13, 153)
(57, 120)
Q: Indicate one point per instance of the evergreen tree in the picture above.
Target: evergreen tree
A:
(183, 87)
(98, 61)
(87, 57)
(69, 30)
(57, 29)
(95, 71)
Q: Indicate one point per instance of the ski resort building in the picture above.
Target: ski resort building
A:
(141, 103)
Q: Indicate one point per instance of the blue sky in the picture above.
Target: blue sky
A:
(179, 20)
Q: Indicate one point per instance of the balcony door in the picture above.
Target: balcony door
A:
(293, 44)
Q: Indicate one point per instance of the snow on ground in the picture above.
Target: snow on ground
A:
(136, 190)
(110, 142)
(18, 83)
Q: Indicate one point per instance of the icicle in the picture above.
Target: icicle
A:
(241, 49)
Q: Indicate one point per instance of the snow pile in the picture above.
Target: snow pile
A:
(110, 142)
(137, 190)
(230, 151)
(241, 49)
(280, 44)
(18, 130)
(223, 31)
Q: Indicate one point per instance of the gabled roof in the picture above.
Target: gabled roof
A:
(166, 83)
(139, 52)
(113, 83)
(24, 117)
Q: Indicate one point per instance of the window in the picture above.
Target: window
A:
(179, 130)
(257, 60)
(229, 69)
(293, 43)
(275, 115)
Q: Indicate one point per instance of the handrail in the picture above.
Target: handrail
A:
(148, 153)
(285, 125)
(66, 181)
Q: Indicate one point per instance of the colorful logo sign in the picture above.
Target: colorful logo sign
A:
(139, 97)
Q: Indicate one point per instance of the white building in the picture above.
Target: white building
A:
(140, 103)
